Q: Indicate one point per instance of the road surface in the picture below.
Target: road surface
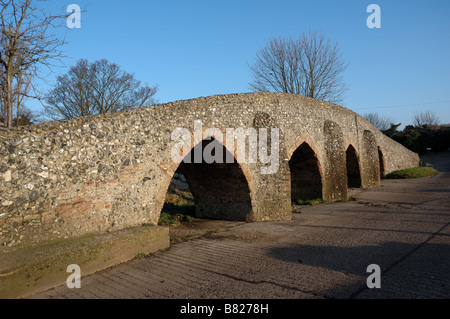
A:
(324, 252)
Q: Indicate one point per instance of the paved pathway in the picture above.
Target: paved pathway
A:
(403, 226)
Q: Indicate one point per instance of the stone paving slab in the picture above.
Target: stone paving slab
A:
(24, 272)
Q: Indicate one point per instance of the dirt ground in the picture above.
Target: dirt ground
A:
(199, 228)
(209, 228)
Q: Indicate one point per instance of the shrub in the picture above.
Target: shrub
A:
(417, 172)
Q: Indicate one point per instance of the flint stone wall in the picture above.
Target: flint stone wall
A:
(96, 174)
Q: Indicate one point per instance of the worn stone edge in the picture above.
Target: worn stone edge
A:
(43, 267)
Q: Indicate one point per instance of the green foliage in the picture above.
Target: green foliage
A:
(417, 172)
(173, 219)
(179, 206)
(392, 130)
(419, 139)
(310, 202)
(168, 219)
(147, 225)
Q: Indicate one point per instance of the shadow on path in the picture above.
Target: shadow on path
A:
(407, 271)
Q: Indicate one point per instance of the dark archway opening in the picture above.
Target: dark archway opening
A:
(353, 172)
(217, 190)
(306, 182)
(381, 160)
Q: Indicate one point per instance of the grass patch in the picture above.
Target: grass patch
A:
(140, 256)
(147, 225)
(173, 219)
(311, 202)
(179, 206)
(417, 172)
(168, 219)
(350, 199)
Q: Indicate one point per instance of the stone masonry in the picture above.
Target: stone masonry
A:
(102, 173)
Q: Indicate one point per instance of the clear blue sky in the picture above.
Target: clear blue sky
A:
(200, 48)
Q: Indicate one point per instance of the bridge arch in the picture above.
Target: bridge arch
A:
(221, 190)
(353, 167)
(382, 162)
(305, 170)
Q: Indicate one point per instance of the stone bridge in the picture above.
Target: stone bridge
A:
(108, 172)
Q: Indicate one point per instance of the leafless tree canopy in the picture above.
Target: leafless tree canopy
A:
(96, 88)
(309, 66)
(426, 119)
(381, 122)
(26, 44)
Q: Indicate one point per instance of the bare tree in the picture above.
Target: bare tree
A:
(96, 88)
(309, 66)
(381, 122)
(20, 88)
(25, 117)
(26, 44)
(426, 119)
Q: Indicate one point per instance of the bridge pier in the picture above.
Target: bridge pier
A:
(370, 162)
(335, 170)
